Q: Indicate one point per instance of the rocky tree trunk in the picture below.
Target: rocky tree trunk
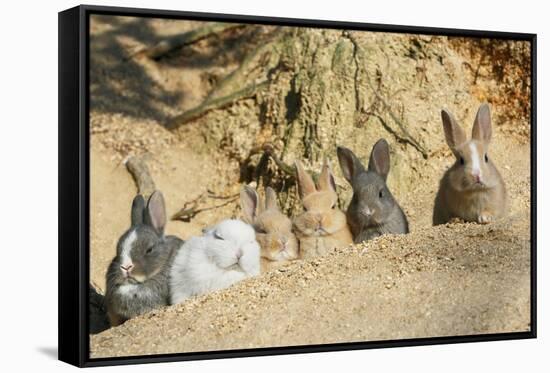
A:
(304, 91)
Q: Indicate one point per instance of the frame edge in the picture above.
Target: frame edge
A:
(70, 297)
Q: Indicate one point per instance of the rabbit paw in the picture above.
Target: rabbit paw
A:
(485, 218)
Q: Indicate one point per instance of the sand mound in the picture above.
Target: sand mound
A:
(450, 280)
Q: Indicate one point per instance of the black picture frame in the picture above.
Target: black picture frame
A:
(74, 190)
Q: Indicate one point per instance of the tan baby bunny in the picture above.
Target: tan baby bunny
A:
(322, 226)
(273, 228)
(472, 189)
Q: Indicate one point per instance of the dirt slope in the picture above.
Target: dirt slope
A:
(437, 281)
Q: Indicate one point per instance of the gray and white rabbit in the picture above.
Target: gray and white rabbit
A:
(223, 255)
(373, 211)
(137, 279)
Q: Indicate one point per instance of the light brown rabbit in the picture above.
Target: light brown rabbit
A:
(322, 226)
(472, 189)
(273, 228)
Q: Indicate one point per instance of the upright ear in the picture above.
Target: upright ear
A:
(138, 206)
(349, 164)
(207, 231)
(379, 161)
(326, 179)
(306, 186)
(156, 212)
(482, 130)
(454, 134)
(271, 199)
(249, 204)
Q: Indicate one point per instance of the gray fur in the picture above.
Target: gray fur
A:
(152, 254)
(370, 192)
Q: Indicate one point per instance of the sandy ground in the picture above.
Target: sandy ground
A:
(437, 281)
(456, 279)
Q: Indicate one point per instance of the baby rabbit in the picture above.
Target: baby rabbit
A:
(273, 228)
(322, 226)
(373, 211)
(224, 255)
(472, 189)
(137, 279)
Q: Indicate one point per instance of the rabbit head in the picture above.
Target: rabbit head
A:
(372, 202)
(473, 168)
(232, 246)
(321, 216)
(142, 251)
(273, 228)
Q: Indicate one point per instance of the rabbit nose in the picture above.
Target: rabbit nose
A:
(319, 221)
(367, 212)
(239, 253)
(127, 267)
(477, 176)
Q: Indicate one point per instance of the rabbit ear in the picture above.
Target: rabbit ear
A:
(208, 230)
(138, 206)
(379, 161)
(249, 204)
(306, 186)
(271, 199)
(454, 134)
(156, 212)
(482, 130)
(326, 179)
(349, 164)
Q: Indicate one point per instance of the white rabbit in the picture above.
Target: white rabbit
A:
(224, 255)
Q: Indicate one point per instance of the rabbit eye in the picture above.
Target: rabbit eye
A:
(217, 236)
(260, 230)
(149, 250)
(381, 193)
(486, 158)
(333, 206)
(462, 161)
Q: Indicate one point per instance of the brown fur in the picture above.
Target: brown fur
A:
(273, 228)
(460, 195)
(322, 226)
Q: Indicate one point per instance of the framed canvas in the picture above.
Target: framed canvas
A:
(235, 186)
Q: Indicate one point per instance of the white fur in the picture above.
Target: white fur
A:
(210, 262)
(476, 168)
(127, 290)
(126, 248)
(131, 290)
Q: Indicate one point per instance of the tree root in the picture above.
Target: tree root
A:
(178, 41)
(286, 168)
(140, 173)
(217, 103)
(399, 138)
(235, 80)
(190, 209)
(230, 89)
